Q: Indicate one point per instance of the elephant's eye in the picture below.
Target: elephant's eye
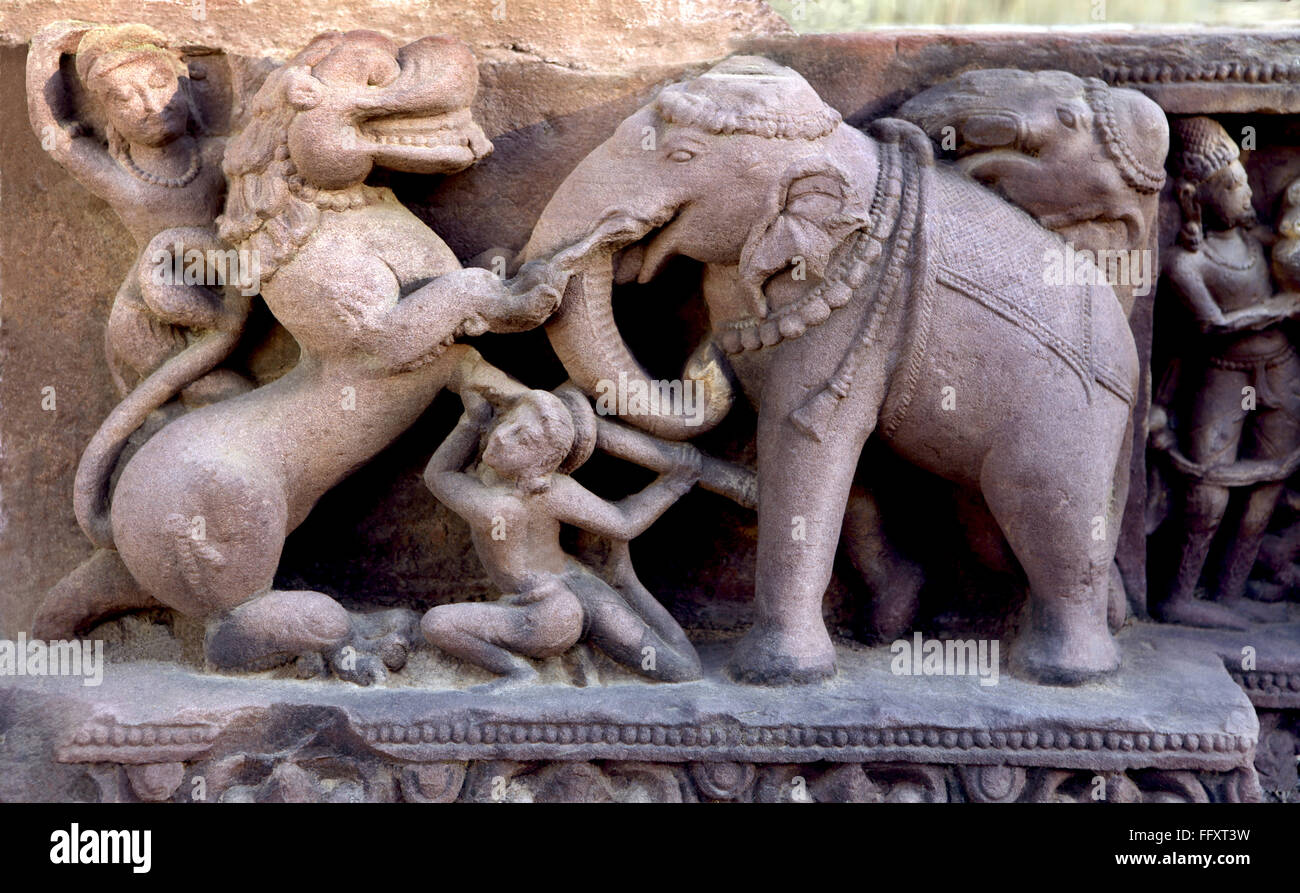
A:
(681, 155)
(1067, 117)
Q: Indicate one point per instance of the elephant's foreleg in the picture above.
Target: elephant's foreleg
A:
(803, 489)
(1116, 592)
(892, 580)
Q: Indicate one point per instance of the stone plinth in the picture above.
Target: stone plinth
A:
(1168, 724)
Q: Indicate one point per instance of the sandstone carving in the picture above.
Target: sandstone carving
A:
(980, 341)
(849, 281)
(162, 177)
(1230, 419)
(374, 299)
(1086, 160)
(515, 501)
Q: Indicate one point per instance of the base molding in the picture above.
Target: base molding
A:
(349, 778)
(1171, 725)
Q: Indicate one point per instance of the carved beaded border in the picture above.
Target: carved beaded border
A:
(1164, 73)
(542, 733)
(1268, 684)
(118, 741)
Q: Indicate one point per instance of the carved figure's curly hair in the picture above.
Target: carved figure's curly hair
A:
(1203, 149)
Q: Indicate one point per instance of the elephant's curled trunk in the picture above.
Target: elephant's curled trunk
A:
(587, 341)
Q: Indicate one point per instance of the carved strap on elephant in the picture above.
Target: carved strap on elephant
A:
(791, 211)
(978, 263)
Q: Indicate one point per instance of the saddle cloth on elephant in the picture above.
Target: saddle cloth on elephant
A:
(913, 246)
(975, 262)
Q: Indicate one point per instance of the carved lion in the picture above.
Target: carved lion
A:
(375, 300)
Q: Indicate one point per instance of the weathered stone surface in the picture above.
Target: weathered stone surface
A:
(1166, 710)
(580, 34)
(542, 118)
(1192, 715)
(1264, 660)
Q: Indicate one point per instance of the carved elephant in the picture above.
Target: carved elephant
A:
(854, 287)
(1084, 159)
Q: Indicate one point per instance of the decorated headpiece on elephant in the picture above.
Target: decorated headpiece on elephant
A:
(1085, 159)
(850, 285)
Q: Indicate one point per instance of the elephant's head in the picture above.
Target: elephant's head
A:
(734, 168)
(1085, 159)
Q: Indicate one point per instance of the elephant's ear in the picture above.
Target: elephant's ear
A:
(806, 217)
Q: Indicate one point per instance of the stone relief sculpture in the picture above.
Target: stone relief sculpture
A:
(162, 176)
(374, 299)
(515, 502)
(1084, 159)
(1277, 571)
(1231, 420)
(916, 279)
(873, 286)
(1286, 251)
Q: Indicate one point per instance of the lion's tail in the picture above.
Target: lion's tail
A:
(90, 490)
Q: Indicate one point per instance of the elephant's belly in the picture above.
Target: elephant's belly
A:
(1009, 359)
(986, 384)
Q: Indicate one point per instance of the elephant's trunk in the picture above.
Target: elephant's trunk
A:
(587, 340)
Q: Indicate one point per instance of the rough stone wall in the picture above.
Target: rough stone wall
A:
(581, 35)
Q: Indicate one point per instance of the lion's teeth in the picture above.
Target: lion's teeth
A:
(389, 139)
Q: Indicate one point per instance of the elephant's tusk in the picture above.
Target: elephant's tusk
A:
(736, 482)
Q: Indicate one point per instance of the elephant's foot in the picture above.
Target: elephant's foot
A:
(895, 604)
(1071, 658)
(772, 656)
